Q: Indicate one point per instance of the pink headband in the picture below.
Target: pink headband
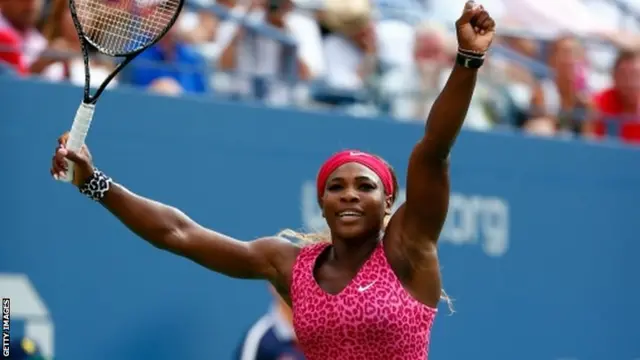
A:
(372, 162)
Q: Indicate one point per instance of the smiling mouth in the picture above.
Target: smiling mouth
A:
(350, 215)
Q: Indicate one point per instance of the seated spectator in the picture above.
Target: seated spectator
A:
(272, 336)
(351, 51)
(18, 22)
(411, 89)
(212, 36)
(564, 100)
(198, 27)
(619, 106)
(59, 31)
(516, 81)
(411, 86)
(170, 67)
(263, 66)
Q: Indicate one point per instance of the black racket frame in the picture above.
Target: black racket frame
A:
(128, 56)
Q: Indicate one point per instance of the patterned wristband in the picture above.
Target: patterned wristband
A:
(468, 61)
(471, 52)
(96, 186)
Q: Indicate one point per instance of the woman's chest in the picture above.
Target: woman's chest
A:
(370, 311)
(341, 299)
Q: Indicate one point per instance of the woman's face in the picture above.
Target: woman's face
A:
(354, 203)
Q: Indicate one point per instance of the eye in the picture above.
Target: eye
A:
(367, 187)
(334, 187)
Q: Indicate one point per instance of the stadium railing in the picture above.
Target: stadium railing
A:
(328, 95)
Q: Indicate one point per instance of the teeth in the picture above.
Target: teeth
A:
(349, 213)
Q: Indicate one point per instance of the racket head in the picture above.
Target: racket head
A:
(123, 27)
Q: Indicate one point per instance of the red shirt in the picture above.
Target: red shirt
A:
(612, 121)
(10, 45)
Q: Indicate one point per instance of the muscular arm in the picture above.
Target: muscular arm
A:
(428, 173)
(168, 228)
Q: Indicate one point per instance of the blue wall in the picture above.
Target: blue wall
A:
(539, 250)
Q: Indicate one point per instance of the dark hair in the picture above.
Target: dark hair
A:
(625, 55)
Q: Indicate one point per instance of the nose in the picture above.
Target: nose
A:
(349, 195)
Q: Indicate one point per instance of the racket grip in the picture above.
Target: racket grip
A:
(78, 134)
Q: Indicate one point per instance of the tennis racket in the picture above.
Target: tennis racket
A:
(117, 28)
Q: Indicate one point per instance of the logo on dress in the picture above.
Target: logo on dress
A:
(364, 288)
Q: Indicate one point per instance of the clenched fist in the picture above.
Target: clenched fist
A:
(475, 28)
(83, 163)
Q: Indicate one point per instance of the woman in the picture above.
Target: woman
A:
(370, 291)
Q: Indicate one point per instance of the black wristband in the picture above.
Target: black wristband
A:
(469, 61)
(96, 186)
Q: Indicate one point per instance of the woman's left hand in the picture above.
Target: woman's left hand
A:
(475, 28)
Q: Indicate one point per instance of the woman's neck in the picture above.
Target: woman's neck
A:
(352, 254)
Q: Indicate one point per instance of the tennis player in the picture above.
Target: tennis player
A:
(370, 287)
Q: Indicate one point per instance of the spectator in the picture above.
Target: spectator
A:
(272, 336)
(263, 65)
(198, 27)
(411, 87)
(351, 51)
(59, 30)
(210, 35)
(18, 22)
(563, 101)
(170, 67)
(619, 106)
(515, 81)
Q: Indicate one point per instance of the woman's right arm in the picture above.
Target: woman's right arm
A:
(168, 228)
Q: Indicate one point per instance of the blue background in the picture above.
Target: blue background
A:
(558, 278)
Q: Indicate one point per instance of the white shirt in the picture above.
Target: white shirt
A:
(55, 72)
(343, 59)
(395, 42)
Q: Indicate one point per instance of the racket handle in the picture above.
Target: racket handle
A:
(78, 134)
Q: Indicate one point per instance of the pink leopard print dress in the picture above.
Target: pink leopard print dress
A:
(373, 318)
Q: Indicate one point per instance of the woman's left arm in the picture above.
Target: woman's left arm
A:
(428, 174)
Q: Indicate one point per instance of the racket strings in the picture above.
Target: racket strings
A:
(124, 26)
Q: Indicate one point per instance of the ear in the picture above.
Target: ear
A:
(388, 204)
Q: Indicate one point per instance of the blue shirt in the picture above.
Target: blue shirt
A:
(152, 65)
(270, 338)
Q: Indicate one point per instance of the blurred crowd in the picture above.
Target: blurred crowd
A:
(566, 68)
